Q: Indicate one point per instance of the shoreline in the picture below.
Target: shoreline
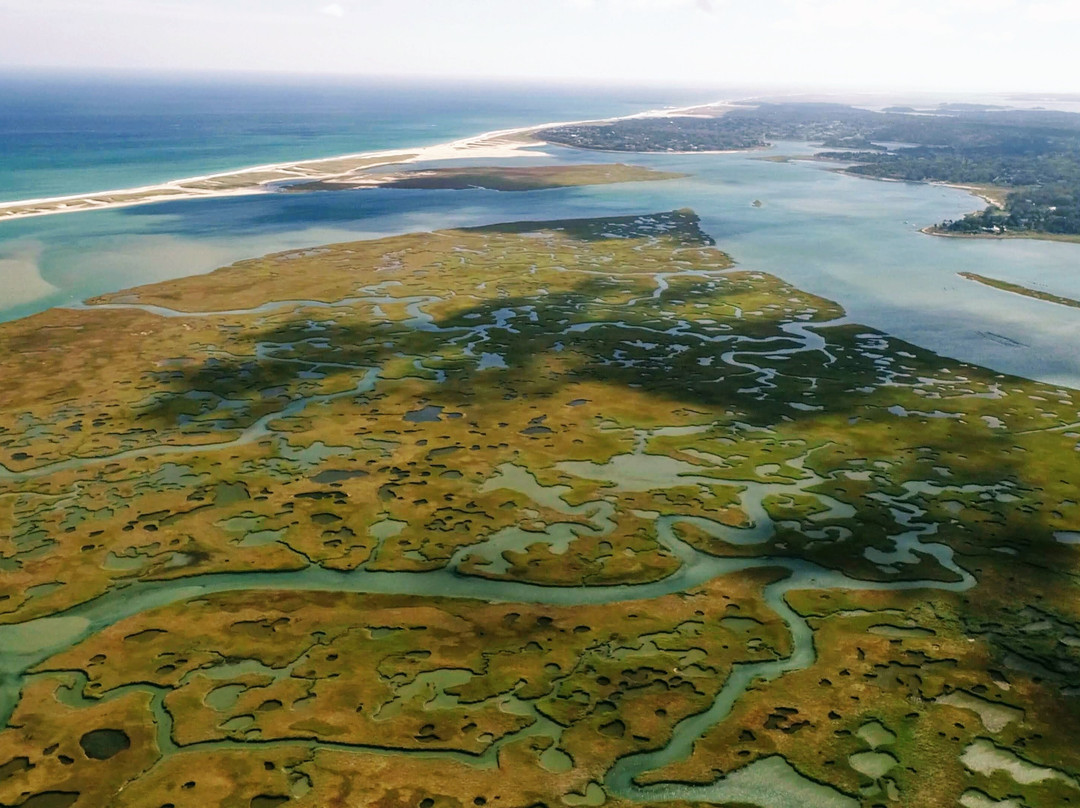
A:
(1063, 238)
(982, 193)
(260, 179)
(748, 150)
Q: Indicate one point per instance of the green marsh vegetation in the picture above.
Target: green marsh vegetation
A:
(1018, 289)
(494, 178)
(447, 517)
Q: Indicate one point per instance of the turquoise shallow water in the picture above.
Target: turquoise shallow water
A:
(852, 240)
(66, 134)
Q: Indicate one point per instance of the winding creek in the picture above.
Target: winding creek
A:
(769, 782)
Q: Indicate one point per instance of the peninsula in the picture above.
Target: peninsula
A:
(1019, 289)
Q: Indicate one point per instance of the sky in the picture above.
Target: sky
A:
(932, 45)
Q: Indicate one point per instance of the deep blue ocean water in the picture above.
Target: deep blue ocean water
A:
(66, 134)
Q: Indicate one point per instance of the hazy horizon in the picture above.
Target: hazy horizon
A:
(940, 47)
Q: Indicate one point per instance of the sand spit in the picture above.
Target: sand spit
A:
(501, 144)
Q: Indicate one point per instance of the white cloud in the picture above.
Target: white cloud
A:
(890, 44)
(1054, 11)
(704, 5)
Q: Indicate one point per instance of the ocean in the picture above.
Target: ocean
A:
(66, 134)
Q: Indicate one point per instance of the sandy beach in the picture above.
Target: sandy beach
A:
(495, 145)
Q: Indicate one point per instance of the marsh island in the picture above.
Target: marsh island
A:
(569, 513)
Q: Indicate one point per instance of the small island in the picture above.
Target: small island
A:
(1017, 289)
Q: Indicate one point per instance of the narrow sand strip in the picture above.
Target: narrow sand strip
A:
(501, 144)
